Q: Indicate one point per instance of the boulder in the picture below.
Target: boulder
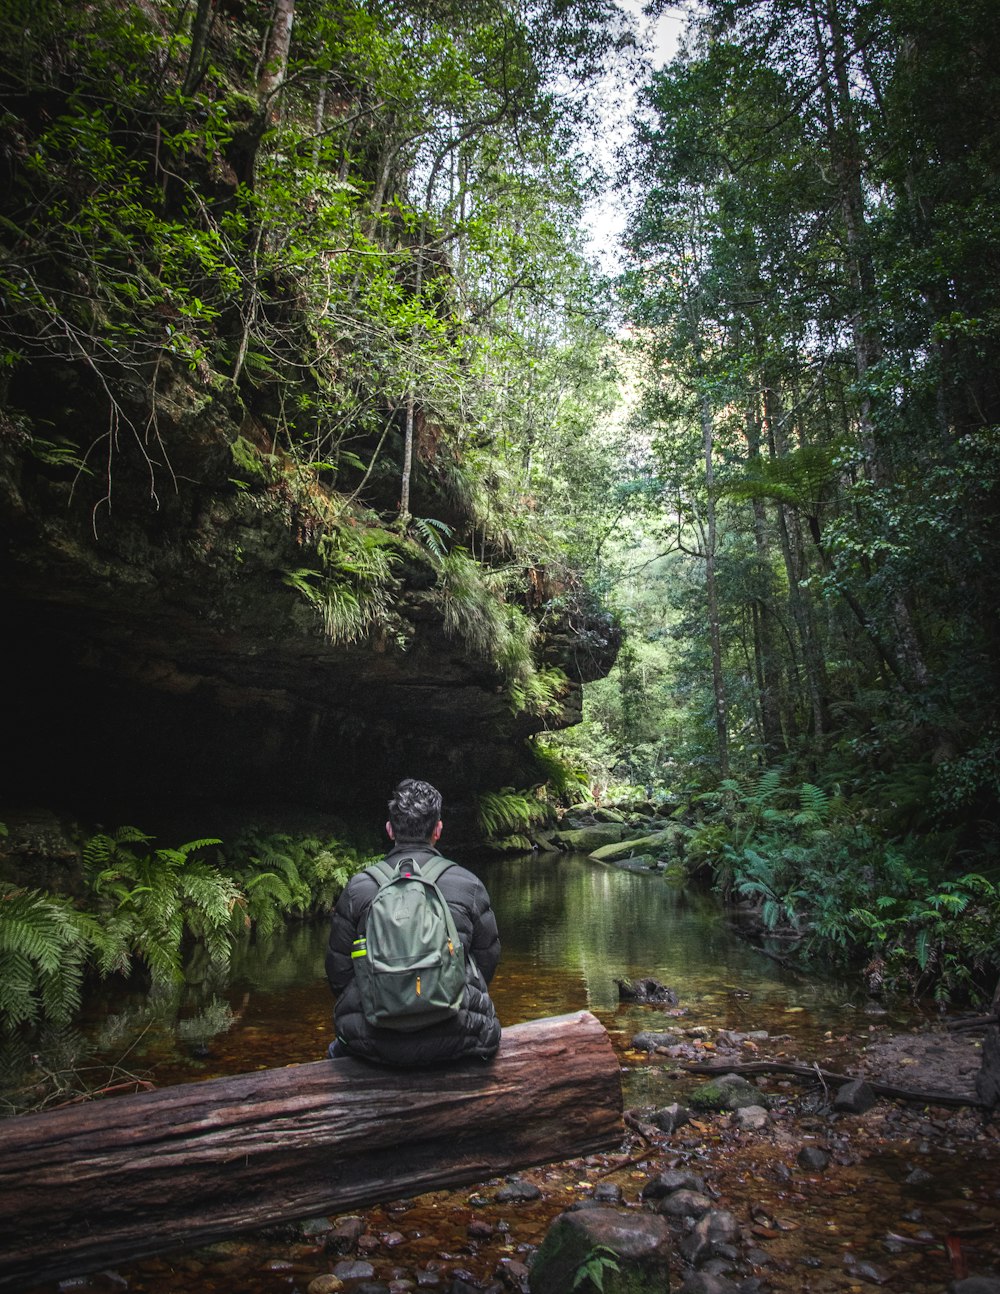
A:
(616, 851)
(751, 1118)
(711, 1236)
(646, 990)
(813, 1158)
(585, 840)
(671, 1117)
(854, 1097)
(728, 1092)
(684, 1204)
(631, 1253)
(672, 1179)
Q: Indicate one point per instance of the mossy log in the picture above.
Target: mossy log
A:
(113, 1181)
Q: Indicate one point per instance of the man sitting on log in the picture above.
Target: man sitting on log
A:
(409, 1031)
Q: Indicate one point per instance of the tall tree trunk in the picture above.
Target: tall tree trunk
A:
(714, 628)
(766, 663)
(279, 42)
(200, 32)
(793, 555)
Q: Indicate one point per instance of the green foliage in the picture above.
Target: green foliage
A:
(509, 813)
(148, 900)
(43, 950)
(596, 1264)
(149, 907)
(284, 876)
(563, 778)
(329, 275)
(852, 898)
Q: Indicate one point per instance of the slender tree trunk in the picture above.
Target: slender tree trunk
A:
(319, 116)
(766, 666)
(279, 43)
(793, 555)
(200, 32)
(714, 628)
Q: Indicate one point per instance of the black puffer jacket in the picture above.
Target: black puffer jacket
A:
(476, 1029)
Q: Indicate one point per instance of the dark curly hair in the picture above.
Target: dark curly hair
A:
(414, 811)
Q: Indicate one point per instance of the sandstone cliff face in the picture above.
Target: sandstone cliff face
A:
(157, 655)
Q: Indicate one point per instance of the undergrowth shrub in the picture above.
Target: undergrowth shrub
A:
(812, 869)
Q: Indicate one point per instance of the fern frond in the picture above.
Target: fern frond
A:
(43, 946)
(768, 785)
(432, 533)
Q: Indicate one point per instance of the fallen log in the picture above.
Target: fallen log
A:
(109, 1182)
(828, 1076)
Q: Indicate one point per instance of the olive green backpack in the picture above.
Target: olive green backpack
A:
(408, 958)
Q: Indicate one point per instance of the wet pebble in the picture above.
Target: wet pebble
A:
(812, 1158)
(866, 1271)
(354, 1270)
(751, 1118)
(673, 1179)
(685, 1204)
(328, 1284)
(345, 1234)
(708, 1283)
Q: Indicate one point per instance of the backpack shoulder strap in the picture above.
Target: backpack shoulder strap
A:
(381, 873)
(433, 869)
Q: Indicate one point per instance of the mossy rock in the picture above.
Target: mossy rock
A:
(729, 1092)
(615, 851)
(586, 839)
(629, 1251)
(516, 844)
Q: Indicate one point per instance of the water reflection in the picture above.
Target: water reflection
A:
(569, 927)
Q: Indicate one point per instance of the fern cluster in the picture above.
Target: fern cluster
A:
(144, 905)
(43, 951)
(509, 813)
(857, 901)
(352, 591)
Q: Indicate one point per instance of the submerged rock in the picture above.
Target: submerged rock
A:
(728, 1092)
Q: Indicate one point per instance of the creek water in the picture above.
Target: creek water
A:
(570, 928)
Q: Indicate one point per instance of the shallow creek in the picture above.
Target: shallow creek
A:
(570, 928)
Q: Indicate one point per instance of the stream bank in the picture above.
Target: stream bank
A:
(904, 1195)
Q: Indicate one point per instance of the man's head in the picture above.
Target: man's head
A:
(414, 813)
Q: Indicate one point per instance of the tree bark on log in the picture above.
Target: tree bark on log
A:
(113, 1181)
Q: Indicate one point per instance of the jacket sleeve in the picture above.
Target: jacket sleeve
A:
(485, 936)
(343, 924)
